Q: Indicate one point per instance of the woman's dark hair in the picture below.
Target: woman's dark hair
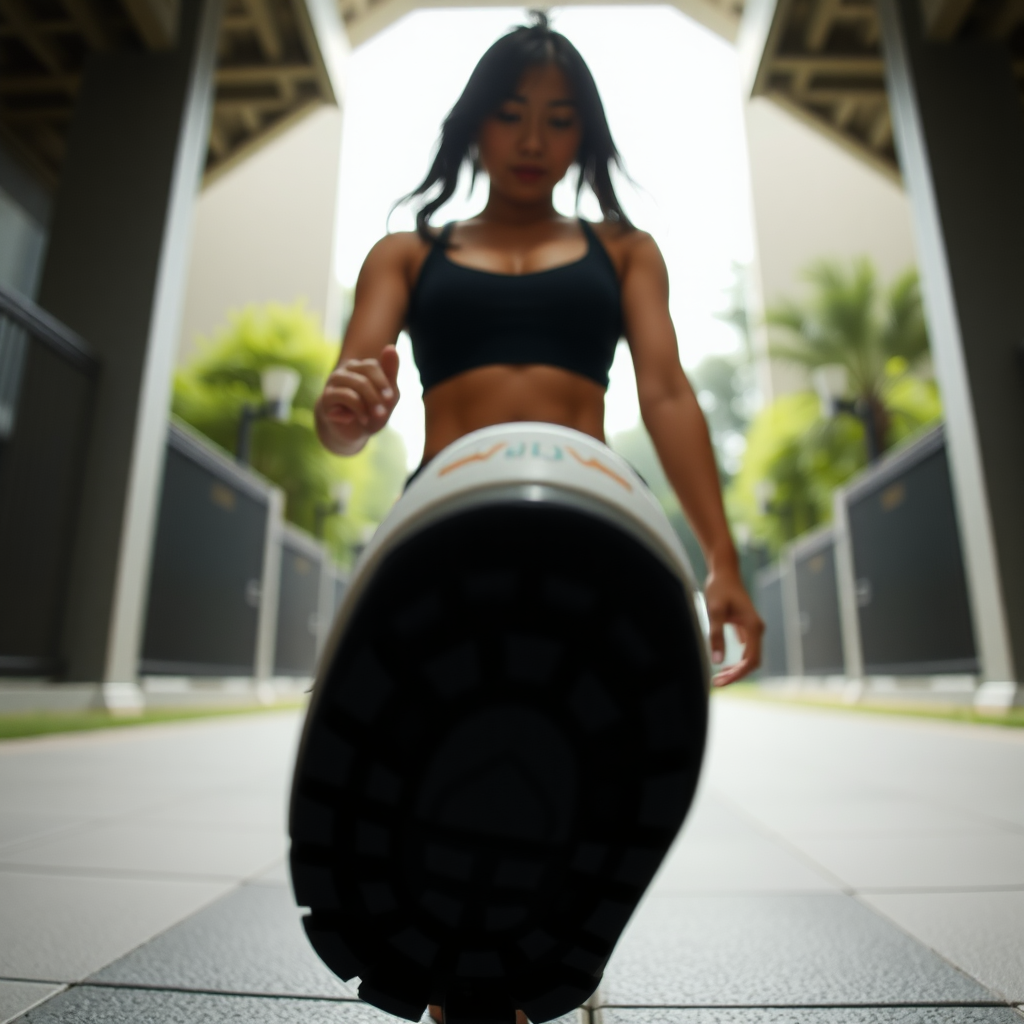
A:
(493, 81)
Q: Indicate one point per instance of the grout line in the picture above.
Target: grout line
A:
(800, 1006)
(658, 891)
(115, 874)
(587, 1013)
(782, 840)
(36, 981)
(937, 890)
(232, 993)
(61, 987)
(935, 952)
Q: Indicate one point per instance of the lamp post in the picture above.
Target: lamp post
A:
(830, 384)
(340, 493)
(278, 384)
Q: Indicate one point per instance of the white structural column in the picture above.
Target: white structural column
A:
(959, 133)
(115, 273)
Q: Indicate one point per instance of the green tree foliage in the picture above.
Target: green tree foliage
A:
(725, 383)
(876, 335)
(211, 391)
(796, 455)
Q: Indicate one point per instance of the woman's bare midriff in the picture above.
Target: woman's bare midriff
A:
(490, 395)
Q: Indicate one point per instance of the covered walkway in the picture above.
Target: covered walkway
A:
(838, 867)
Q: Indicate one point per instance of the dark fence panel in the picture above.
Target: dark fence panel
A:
(770, 605)
(205, 586)
(821, 637)
(911, 590)
(340, 586)
(47, 376)
(298, 609)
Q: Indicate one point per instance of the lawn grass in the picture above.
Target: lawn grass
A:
(41, 723)
(1012, 718)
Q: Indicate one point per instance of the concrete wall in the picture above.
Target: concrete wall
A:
(812, 200)
(264, 232)
(24, 216)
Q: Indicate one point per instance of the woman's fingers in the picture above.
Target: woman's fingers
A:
(368, 379)
(343, 404)
(359, 391)
(741, 614)
(375, 374)
(389, 365)
(349, 381)
(717, 638)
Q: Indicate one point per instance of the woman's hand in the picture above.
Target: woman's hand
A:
(728, 601)
(357, 401)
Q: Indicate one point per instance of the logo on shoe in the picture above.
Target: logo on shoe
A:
(548, 451)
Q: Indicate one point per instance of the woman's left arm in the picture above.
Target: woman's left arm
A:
(674, 420)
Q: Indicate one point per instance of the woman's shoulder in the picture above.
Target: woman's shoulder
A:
(398, 245)
(626, 245)
(622, 237)
(400, 252)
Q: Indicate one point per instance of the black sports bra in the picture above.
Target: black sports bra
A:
(461, 318)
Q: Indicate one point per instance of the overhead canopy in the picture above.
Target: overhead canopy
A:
(822, 60)
(277, 60)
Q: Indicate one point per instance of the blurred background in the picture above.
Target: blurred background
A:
(188, 189)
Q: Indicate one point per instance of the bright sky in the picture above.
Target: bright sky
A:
(672, 95)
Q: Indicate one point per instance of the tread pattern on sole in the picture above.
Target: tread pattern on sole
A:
(499, 753)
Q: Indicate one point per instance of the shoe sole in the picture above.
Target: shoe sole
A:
(498, 755)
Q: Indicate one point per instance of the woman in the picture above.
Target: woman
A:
(530, 112)
(514, 316)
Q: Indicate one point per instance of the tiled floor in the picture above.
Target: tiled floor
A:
(836, 869)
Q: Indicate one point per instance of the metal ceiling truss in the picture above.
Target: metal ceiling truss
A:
(822, 61)
(270, 69)
(819, 59)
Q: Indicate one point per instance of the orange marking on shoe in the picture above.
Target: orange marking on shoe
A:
(475, 457)
(600, 466)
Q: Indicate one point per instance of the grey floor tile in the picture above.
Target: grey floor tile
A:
(251, 941)
(985, 857)
(774, 950)
(67, 928)
(96, 1005)
(18, 996)
(154, 848)
(831, 1015)
(981, 932)
(93, 1005)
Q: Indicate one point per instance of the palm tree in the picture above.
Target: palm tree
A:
(876, 335)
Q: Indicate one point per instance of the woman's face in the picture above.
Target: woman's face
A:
(529, 143)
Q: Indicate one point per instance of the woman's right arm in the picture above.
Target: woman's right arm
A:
(361, 392)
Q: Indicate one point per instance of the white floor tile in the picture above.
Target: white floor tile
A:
(276, 874)
(984, 858)
(21, 827)
(750, 864)
(242, 807)
(864, 815)
(156, 848)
